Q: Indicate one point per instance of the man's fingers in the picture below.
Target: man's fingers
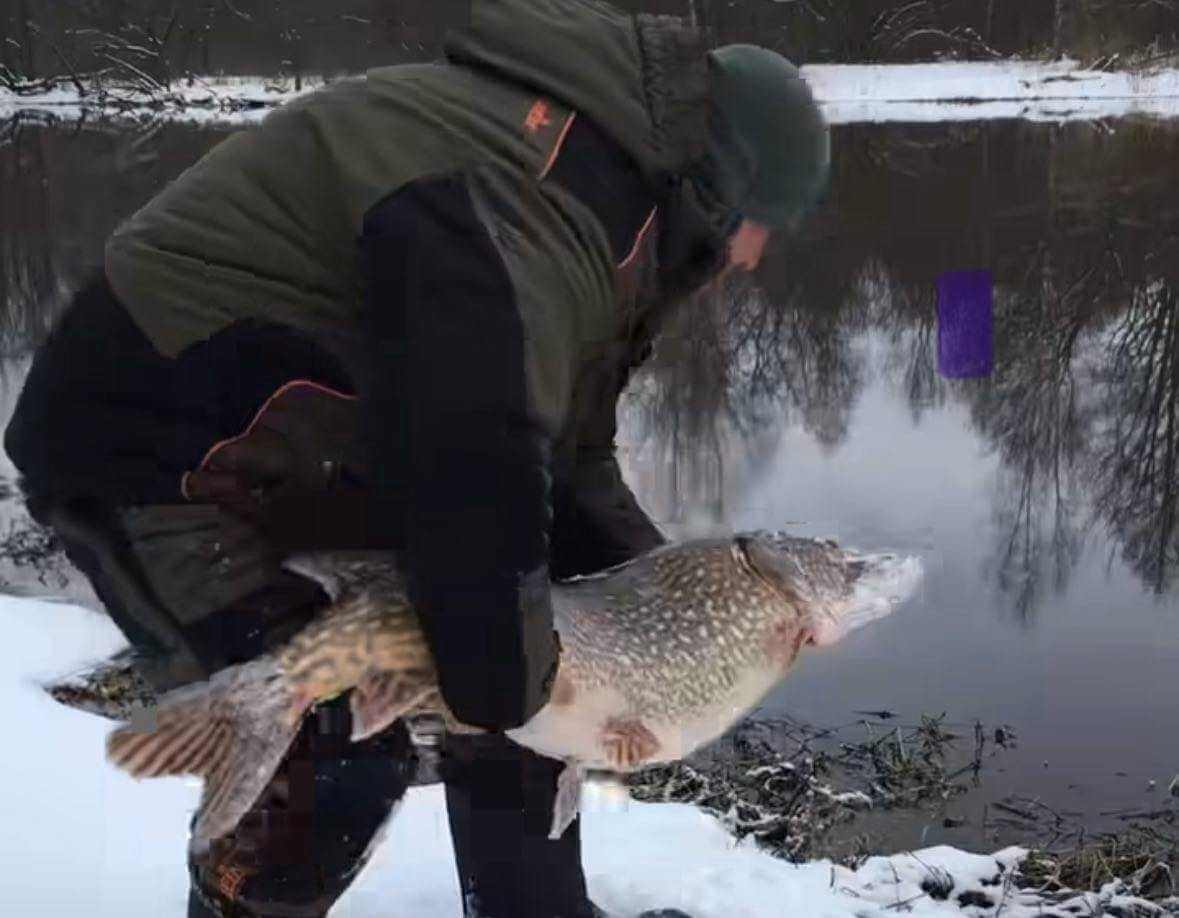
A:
(262, 456)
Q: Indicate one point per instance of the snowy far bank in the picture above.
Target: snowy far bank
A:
(849, 93)
(1040, 91)
(85, 839)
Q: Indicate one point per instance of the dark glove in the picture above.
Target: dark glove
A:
(303, 440)
(298, 474)
(494, 646)
(214, 565)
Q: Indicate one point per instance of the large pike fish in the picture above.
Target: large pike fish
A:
(659, 657)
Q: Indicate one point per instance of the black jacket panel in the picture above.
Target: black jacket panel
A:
(444, 398)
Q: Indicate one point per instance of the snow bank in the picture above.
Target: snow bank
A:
(84, 839)
(1041, 91)
(238, 100)
(982, 80)
(849, 93)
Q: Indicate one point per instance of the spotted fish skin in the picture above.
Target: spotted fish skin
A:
(678, 645)
(370, 632)
(676, 628)
(659, 656)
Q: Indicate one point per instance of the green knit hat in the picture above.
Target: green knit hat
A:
(770, 131)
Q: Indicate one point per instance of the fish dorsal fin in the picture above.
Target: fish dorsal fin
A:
(318, 567)
(381, 697)
(233, 731)
(347, 574)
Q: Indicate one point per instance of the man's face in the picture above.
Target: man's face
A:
(747, 246)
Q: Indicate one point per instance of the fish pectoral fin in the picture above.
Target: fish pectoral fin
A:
(233, 731)
(627, 743)
(382, 697)
(567, 803)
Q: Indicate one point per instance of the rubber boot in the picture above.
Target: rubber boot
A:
(316, 825)
(499, 799)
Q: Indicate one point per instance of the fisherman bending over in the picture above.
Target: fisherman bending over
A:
(399, 314)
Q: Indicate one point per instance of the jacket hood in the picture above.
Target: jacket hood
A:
(643, 79)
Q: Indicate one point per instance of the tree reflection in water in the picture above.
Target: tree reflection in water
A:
(1080, 409)
(1135, 455)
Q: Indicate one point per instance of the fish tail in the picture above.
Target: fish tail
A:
(233, 731)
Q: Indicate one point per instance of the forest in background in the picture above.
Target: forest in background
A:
(154, 43)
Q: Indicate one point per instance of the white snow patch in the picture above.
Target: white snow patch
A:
(233, 100)
(1043, 110)
(981, 80)
(977, 90)
(849, 93)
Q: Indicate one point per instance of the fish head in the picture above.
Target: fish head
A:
(830, 591)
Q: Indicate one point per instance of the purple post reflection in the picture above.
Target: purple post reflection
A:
(965, 338)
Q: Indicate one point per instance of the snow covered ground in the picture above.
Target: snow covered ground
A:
(214, 101)
(82, 839)
(967, 91)
(849, 93)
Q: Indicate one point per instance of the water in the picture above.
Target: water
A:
(1042, 498)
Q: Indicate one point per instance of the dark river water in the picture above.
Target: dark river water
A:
(1040, 497)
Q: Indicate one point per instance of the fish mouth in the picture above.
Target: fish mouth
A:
(877, 582)
(888, 579)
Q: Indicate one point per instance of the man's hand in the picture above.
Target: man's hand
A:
(300, 442)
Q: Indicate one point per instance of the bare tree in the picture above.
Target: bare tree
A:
(684, 407)
(908, 315)
(28, 274)
(1136, 463)
(1030, 411)
(730, 370)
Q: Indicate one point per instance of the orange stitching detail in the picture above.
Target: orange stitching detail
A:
(537, 117)
(230, 880)
(634, 250)
(557, 146)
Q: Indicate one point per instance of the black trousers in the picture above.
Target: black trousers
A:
(104, 422)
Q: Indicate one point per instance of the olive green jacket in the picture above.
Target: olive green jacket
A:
(265, 225)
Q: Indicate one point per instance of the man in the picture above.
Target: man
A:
(399, 314)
